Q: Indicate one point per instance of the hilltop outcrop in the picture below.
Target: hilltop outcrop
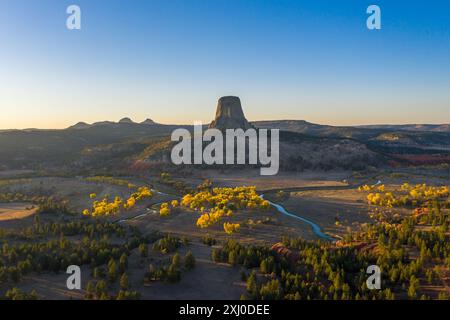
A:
(229, 115)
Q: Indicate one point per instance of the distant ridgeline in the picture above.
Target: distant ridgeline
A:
(303, 145)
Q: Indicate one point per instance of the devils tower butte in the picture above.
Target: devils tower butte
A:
(229, 114)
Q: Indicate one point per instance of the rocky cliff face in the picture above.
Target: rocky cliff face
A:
(229, 115)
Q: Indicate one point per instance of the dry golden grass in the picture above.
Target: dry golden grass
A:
(16, 210)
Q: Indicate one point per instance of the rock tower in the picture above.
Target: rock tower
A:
(229, 115)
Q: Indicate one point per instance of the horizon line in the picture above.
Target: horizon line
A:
(251, 121)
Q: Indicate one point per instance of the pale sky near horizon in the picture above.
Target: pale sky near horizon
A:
(171, 60)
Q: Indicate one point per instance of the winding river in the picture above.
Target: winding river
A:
(315, 227)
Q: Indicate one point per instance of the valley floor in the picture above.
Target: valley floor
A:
(329, 199)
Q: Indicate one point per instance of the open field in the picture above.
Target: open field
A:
(326, 207)
(208, 281)
(13, 211)
(16, 215)
(280, 181)
(4, 174)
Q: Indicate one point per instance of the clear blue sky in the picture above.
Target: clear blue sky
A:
(170, 60)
